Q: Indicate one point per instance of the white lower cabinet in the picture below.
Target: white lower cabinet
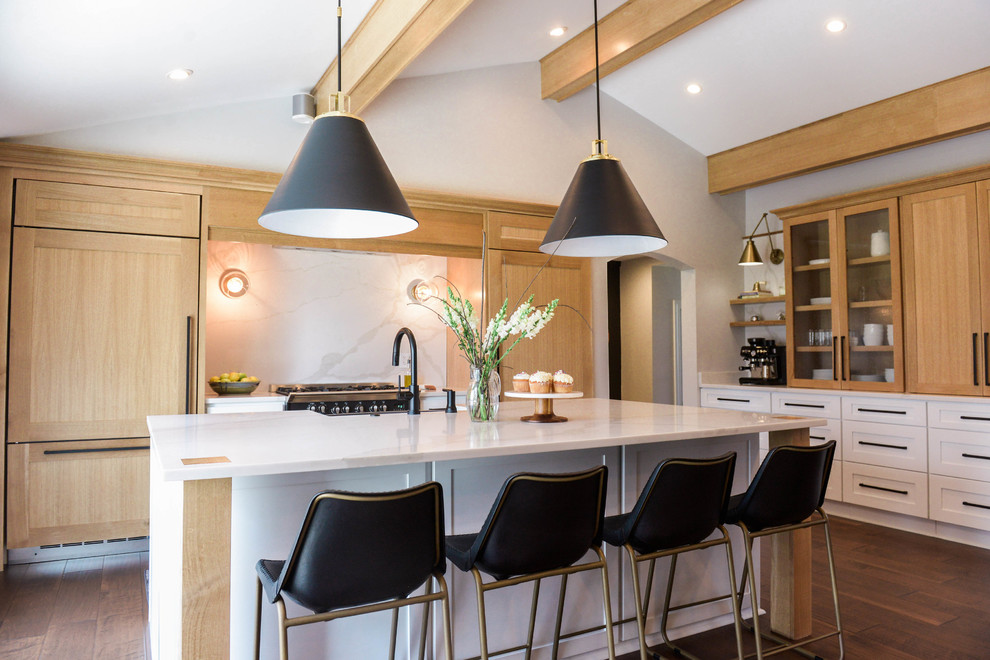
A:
(735, 400)
(886, 445)
(963, 454)
(960, 501)
(890, 489)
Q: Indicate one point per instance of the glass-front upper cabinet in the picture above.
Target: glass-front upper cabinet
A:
(844, 309)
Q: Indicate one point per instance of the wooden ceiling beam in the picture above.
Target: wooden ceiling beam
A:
(947, 109)
(626, 34)
(389, 38)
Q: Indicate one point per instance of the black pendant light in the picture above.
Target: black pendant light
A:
(601, 214)
(338, 185)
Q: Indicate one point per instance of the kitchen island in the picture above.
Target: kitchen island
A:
(227, 490)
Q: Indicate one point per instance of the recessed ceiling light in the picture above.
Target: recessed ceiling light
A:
(835, 25)
(558, 31)
(179, 74)
(693, 88)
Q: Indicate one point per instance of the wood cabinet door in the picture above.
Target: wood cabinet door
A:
(517, 231)
(566, 342)
(940, 246)
(102, 333)
(104, 208)
(69, 492)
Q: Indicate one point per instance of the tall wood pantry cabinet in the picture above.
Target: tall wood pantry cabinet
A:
(947, 289)
(104, 305)
(514, 265)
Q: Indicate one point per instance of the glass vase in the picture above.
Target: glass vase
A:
(482, 395)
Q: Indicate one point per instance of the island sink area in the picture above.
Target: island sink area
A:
(228, 490)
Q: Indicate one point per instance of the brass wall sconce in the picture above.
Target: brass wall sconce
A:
(233, 283)
(751, 256)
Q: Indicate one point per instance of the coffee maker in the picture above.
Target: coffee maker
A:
(765, 362)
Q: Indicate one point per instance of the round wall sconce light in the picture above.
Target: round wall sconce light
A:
(233, 283)
(420, 291)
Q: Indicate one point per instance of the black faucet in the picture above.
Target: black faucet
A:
(414, 385)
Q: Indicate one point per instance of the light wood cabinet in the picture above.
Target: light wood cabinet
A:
(61, 205)
(101, 333)
(68, 492)
(844, 304)
(947, 290)
(566, 342)
(516, 231)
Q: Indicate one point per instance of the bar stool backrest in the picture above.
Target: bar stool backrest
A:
(360, 548)
(683, 502)
(788, 487)
(541, 522)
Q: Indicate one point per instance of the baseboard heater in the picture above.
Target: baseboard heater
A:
(79, 550)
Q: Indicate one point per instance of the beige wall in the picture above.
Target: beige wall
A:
(636, 318)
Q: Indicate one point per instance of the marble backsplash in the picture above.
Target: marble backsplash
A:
(317, 316)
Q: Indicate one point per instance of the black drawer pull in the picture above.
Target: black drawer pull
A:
(885, 412)
(806, 405)
(976, 369)
(978, 506)
(887, 490)
(880, 444)
(52, 452)
(974, 418)
(718, 398)
(817, 437)
(985, 458)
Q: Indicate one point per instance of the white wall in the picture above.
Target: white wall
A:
(319, 316)
(486, 132)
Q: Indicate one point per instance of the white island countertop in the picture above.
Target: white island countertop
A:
(192, 447)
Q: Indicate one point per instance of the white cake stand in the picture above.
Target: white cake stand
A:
(544, 405)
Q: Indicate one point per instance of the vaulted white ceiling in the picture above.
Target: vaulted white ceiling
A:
(765, 65)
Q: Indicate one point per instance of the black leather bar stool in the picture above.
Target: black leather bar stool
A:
(682, 505)
(786, 494)
(539, 526)
(358, 553)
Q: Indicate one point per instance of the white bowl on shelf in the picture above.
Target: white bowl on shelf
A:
(816, 262)
(825, 300)
(821, 374)
(867, 378)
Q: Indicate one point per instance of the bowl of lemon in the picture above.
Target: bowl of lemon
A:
(233, 382)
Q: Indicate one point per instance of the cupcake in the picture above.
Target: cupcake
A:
(520, 382)
(563, 382)
(541, 382)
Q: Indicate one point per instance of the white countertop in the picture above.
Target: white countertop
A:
(263, 443)
(857, 393)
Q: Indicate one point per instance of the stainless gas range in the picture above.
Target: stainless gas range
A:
(345, 398)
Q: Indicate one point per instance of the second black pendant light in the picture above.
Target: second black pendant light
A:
(602, 214)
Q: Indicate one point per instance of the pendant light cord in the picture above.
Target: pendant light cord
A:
(598, 93)
(339, 86)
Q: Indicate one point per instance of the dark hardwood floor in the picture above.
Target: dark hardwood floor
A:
(901, 595)
(78, 608)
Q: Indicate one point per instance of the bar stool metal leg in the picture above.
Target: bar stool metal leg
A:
(257, 624)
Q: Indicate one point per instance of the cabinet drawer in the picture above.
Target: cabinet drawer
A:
(897, 491)
(834, 489)
(887, 445)
(68, 492)
(736, 400)
(887, 411)
(831, 431)
(960, 502)
(962, 416)
(964, 454)
(810, 405)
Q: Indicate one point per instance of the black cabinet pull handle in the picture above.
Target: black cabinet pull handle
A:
(974, 504)
(976, 368)
(719, 398)
(974, 418)
(188, 359)
(985, 458)
(843, 356)
(879, 410)
(806, 405)
(816, 437)
(986, 357)
(887, 490)
(835, 361)
(95, 450)
(880, 444)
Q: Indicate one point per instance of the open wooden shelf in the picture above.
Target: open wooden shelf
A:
(746, 324)
(756, 300)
